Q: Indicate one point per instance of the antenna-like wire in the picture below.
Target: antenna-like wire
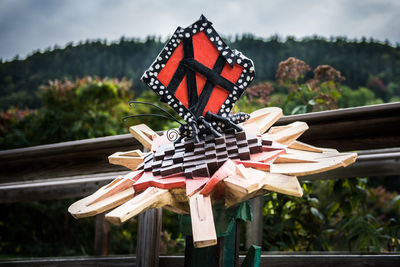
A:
(156, 115)
(149, 115)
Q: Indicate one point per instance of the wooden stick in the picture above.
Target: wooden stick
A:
(287, 134)
(239, 188)
(107, 197)
(324, 164)
(144, 134)
(264, 118)
(292, 158)
(129, 159)
(284, 184)
(303, 146)
(152, 197)
(227, 169)
(83, 208)
(307, 155)
(203, 228)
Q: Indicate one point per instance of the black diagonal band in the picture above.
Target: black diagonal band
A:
(210, 74)
(208, 87)
(188, 54)
(188, 67)
(177, 78)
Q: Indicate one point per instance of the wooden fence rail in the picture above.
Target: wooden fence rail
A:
(362, 128)
(379, 162)
(267, 260)
(78, 168)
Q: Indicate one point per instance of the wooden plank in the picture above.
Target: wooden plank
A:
(345, 129)
(353, 113)
(152, 197)
(57, 188)
(305, 147)
(144, 134)
(369, 163)
(202, 218)
(107, 197)
(351, 128)
(324, 164)
(284, 184)
(148, 239)
(102, 235)
(81, 209)
(264, 118)
(246, 181)
(130, 159)
(287, 134)
(227, 169)
(311, 259)
(237, 242)
(254, 228)
(72, 158)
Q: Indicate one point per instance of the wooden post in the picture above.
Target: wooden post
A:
(237, 243)
(102, 235)
(188, 251)
(148, 240)
(254, 229)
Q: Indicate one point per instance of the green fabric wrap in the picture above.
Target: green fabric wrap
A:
(225, 222)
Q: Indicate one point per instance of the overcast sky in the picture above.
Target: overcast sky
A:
(27, 25)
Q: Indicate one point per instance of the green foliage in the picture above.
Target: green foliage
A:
(333, 215)
(359, 61)
(298, 94)
(355, 98)
(347, 214)
(43, 228)
(39, 229)
(84, 108)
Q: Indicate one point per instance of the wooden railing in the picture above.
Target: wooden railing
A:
(78, 168)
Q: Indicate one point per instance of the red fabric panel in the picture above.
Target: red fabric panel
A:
(182, 93)
(219, 94)
(168, 71)
(206, 53)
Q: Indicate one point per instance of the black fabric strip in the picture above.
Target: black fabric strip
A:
(210, 74)
(176, 78)
(208, 87)
(190, 75)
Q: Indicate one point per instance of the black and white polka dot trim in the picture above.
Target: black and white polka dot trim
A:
(232, 57)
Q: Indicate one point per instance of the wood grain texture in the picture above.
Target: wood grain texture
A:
(345, 129)
(148, 244)
(284, 184)
(152, 197)
(107, 197)
(349, 129)
(323, 164)
(264, 118)
(254, 228)
(102, 235)
(72, 158)
(369, 163)
(287, 134)
(202, 218)
(82, 208)
(144, 134)
(130, 159)
(314, 259)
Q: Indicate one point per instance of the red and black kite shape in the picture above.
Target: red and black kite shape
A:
(201, 78)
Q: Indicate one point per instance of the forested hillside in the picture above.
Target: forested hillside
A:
(362, 63)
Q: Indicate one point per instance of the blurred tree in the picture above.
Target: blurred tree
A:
(84, 108)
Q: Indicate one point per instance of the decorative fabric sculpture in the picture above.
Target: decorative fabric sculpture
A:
(218, 156)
